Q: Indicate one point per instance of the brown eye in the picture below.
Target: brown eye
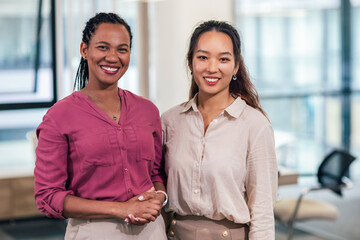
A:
(123, 50)
(102, 47)
(224, 59)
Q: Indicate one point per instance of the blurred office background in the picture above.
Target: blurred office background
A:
(303, 57)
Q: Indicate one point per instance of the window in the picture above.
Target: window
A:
(27, 69)
(294, 53)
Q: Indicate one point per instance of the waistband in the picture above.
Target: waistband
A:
(199, 220)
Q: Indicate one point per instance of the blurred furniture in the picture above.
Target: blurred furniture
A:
(331, 175)
(17, 198)
(287, 176)
(17, 184)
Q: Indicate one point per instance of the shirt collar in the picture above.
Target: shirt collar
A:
(191, 104)
(235, 109)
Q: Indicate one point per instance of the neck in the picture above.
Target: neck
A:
(110, 92)
(218, 101)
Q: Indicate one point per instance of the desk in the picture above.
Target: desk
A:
(17, 198)
(287, 176)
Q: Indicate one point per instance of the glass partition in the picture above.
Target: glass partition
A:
(27, 76)
(294, 53)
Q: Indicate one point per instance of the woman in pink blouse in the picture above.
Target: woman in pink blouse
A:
(219, 147)
(98, 160)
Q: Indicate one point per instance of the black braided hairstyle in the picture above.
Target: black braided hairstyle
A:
(82, 74)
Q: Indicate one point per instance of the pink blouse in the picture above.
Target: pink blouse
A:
(83, 152)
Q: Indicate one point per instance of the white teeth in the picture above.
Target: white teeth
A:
(212, 79)
(109, 68)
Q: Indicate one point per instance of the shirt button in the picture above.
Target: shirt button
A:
(129, 190)
(225, 233)
(196, 191)
(123, 148)
(126, 170)
(197, 214)
(197, 164)
(173, 222)
(171, 233)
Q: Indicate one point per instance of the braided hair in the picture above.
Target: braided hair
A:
(82, 74)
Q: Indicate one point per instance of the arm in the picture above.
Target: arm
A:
(51, 174)
(158, 174)
(261, 184)
(51, 169)
(76, 207)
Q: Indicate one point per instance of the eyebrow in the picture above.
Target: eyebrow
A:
(106, 43)
(222, 53)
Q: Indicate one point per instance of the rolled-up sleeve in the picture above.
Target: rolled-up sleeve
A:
(51, 169)
(261, 184)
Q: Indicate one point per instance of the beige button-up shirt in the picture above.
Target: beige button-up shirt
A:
(230, 171)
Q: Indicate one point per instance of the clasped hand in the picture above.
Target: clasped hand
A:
(144, 208)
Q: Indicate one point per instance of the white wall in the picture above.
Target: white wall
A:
(172, 23)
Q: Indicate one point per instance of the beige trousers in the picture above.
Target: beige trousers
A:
(114, 229)
(201, 228)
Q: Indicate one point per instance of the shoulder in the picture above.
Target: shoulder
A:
(137, 100)
(174, 113)
(63, 106)
(137, 104)
(254, 119)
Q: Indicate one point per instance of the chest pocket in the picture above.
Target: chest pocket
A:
(146, 145)
(94, 147)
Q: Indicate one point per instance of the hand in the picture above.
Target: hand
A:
(151, 194)
(143, 211)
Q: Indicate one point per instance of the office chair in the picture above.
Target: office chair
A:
(331, 175)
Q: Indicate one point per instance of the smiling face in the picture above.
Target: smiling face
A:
(107, 54)
(213, 63)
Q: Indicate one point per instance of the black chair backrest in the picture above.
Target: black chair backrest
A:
(333, 168)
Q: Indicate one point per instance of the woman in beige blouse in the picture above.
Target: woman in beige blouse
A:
(219, 146)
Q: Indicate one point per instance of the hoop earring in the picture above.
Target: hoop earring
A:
(234, 77)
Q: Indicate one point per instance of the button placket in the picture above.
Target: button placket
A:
(123, 154)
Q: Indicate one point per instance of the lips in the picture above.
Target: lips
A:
(110, 69)
(211, 80)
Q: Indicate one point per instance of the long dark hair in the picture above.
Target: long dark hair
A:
(243, 86)
(82, 74)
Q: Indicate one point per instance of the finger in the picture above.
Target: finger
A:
(154, 201)
(148, 217)
(152, 189)
(133, 220)
(153, 211)
(146, 196)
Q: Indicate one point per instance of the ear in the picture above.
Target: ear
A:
(83, 50)
(236, 68)
(190, 67)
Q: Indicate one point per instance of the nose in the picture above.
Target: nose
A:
(212, 66)
(111, 56)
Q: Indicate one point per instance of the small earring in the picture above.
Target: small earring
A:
(234, 77)
(191, 72)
